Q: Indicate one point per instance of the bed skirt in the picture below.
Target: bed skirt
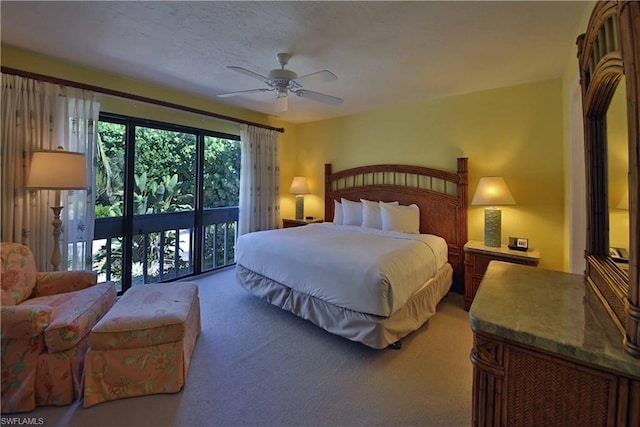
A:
(374, 331)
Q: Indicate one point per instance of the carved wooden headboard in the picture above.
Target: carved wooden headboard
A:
(440, 195)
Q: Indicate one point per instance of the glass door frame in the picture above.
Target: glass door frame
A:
(126, 225)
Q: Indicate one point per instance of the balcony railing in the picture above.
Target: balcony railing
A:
(166, 246)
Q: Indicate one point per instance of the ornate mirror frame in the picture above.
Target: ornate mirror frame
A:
(609, 49)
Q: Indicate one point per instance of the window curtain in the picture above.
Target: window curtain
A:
(27, 125)
(42, 116)
(259, 180)
(77, 119)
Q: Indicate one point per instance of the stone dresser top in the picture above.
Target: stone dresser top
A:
(549, 310)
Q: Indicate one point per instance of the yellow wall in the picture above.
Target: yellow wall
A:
(570, 83)
(28, 61)
(515, 132)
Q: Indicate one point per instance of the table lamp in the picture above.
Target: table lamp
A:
(299, 187)
(57, 170)
(492, 191)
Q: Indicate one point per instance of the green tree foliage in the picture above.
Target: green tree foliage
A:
(164, 171)
(221, 172)
(110, 170)
(161, 155)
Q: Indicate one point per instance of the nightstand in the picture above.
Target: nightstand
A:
(477, 257)
(286, 223)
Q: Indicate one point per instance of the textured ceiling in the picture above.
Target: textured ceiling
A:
(384, 53)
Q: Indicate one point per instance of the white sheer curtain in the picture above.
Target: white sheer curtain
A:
(39, 116)
(259, 180)
(77, 118)
(27, 125)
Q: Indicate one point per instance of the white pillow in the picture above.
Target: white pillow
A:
(337, 213)
(351, 212)
(404, 219)
(371, 214)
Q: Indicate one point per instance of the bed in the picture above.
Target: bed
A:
(373, 284)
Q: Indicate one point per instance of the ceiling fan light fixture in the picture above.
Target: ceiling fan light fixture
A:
(282, 104)
(283, 81)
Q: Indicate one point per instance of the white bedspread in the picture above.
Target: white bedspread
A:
(365, 270)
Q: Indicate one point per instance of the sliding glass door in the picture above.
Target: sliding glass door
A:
(221, 195)
(163, 220)
(166, 200)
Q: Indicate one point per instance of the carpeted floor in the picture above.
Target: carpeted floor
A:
(255, 365)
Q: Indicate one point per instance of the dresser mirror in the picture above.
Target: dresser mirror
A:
(609, 59)
(618, 176)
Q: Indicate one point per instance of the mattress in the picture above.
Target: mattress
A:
(363, 270)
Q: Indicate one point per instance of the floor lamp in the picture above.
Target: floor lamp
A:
(492, 191)
(57, 170)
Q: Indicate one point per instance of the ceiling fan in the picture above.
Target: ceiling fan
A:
(283, 81)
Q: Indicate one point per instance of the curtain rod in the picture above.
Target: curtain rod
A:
(117, 93)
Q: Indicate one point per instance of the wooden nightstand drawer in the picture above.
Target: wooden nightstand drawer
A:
(477, 257)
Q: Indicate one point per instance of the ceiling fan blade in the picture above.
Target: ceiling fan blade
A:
(241, 92)
(323, 76)
(320, 97)
(249, 73)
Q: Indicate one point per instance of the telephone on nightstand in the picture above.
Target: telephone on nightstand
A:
(619, 254)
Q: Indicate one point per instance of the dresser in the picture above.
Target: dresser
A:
(477, 257)
(546, 353)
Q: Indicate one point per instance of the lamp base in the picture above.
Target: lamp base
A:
(299, 207)
(57, 223)
(492, 227)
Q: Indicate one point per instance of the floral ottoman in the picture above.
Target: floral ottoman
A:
(143, 345)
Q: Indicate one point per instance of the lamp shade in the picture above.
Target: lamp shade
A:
(57, 170)
(299, 186)
(492, 191)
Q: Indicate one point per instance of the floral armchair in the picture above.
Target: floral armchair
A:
(46, 319)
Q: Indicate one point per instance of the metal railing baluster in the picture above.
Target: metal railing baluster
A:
(109, 255)
(215, 245)
(176, 253)
(224, 249)
(145, 258)
(161, 256)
